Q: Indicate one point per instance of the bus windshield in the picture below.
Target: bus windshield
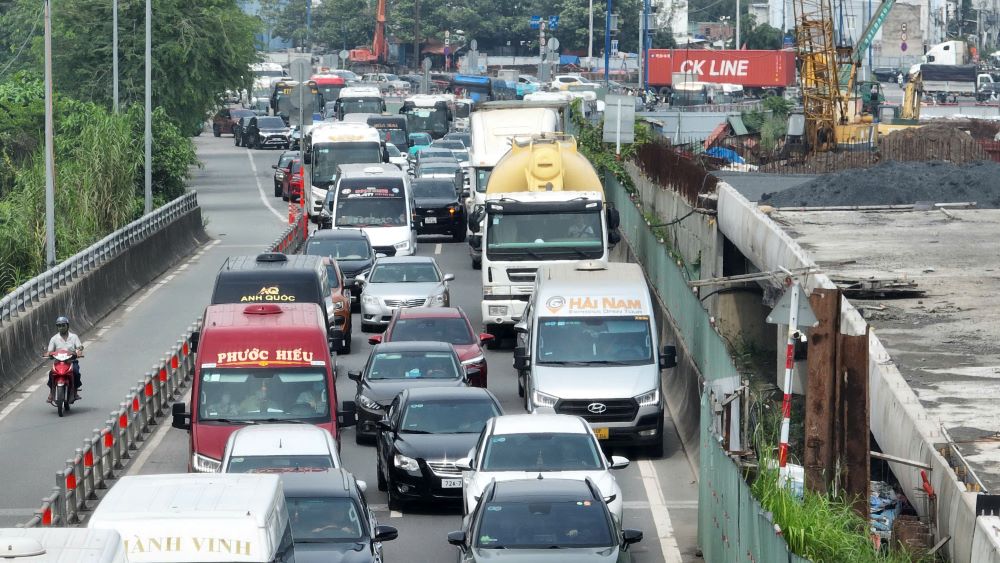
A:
(433, 121)
(250, 394)
(326, 157)
(526, 236)
(360, 105)
(371, 212)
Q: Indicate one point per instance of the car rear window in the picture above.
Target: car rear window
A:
(298, 289)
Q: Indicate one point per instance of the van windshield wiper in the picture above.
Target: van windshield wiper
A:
(288, 420)
(405, 431)
(230, 421)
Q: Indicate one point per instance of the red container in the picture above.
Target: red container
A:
(751, 69)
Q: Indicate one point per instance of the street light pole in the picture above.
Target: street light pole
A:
(607, 41)
(114, 51)
(590, 36)
(50, 168)
(148, 180)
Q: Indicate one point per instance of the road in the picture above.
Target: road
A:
(660, 495)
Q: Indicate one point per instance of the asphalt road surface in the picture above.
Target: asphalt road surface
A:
(242, 216)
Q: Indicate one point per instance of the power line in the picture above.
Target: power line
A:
(20, 50)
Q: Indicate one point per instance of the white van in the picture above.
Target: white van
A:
(198, 517)
(61, 545)
(587, 346)
(377, 199)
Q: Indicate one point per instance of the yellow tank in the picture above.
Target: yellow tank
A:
(544, 163)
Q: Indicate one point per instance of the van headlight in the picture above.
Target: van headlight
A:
(543, 399)
(649, 398)
(402, 245)
(202, 464)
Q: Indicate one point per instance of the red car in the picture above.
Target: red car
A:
(291, 184)
(442, 324)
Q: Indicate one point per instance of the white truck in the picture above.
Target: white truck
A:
(544, 205)
(493, 125)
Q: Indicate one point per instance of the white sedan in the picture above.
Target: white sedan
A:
(280, 447)
(523, 445)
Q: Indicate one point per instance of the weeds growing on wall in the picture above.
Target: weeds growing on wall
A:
(590, 141)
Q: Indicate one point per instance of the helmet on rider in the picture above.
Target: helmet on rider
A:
(62, 325)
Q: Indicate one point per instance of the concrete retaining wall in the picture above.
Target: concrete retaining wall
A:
(93, 296)
(898, 421)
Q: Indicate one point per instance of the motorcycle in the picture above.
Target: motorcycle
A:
(61, 377)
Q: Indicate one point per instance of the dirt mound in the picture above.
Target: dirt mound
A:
(935, 141)
(898, 183)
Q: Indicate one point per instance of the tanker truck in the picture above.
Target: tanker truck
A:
(544, 204)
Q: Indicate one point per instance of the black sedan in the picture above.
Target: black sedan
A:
(529, 520)
(395, 366)
(424, 432)
(331, 520)
(350, 248)
(439, 208)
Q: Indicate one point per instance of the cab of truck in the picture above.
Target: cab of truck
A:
(587, 346)
(259, 363)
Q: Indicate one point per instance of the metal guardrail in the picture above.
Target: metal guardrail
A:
(104, 455)
(49, 281)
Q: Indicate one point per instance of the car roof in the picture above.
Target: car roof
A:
(413, 346)
(539, 424)
(431, 393)
(533, 490)
(329, 483)
(430, 313)
(270, 261)
(338, 233)
(405, 260)
(274, 439)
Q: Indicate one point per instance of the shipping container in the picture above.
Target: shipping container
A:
(748, 68)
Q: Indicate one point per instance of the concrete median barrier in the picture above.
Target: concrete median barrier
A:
(91, 297)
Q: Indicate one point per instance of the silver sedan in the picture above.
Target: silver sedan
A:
(398, 282)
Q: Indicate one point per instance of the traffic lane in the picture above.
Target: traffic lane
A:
(134, 336)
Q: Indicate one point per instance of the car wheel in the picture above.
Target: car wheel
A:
(520, 385)
(284, 196)
(236, 139)
(277, 189)
(655, 451)
(359, 439)
(395, 503)
(382, 486)
(216, 131)
(477, 264)
(367, 327)
(458, 235)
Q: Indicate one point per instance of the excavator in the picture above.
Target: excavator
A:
(370, 59)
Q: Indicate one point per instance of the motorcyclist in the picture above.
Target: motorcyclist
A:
(69, 341)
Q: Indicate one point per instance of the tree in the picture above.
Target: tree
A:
(761, 36)
(200, 49)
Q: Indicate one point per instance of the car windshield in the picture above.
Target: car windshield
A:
(542, 452)
(391, 149)
(595, 340)
(286, 159)
(461, 155)
(543, 525)
(278, 463)
(447, 417)
(429, 169)
(271, 123)
(371, 211)
(394, 136)
(325, 519)
(453, 330)
(339, 249)
(420, 139)
(434, 189)
(413, 365)
(241, 113)
(250, 394)
(399, 272)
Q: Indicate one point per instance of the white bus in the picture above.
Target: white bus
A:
(327, 146)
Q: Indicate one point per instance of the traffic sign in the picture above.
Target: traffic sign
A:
(553, 22)
(474, 45)
(300, 70)
(447, 50)
(536, 22)
(447, 38)
(427, 63)
(553, 44)
(344, 54)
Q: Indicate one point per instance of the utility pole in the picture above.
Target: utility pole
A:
(149, 108)
(738, 24)
(642, 47)
(114, 51)
(416, 34)
(50, 168)
(590, 36)
(607, 41)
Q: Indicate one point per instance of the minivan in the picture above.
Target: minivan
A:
(377, 199)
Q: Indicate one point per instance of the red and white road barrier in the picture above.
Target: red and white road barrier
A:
(786, 402)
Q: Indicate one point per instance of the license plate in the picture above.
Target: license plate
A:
(451, 483)
(430, 220)
(601, 433)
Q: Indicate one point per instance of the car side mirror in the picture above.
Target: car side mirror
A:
(521, 328)
(354, 375)
(465, 464)
(375, 339)
(448, 277)
(668, 357)
(385, 533)
(362, 485)
(619, 462)
(486, 337)
(610, 499)
(522, 360)
(629, 536)
(472, 371)
(360, 278)
(347, 415)
(275, 166)
(466, 192)
(181, 418)
(458, 538)
(384, 425)
(195, 338)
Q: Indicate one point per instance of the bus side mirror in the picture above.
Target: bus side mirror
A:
(668, 357)
(521, 358)
(181, 418)
(614, 219)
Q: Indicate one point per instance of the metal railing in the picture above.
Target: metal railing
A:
(49, 281)
(106, 452)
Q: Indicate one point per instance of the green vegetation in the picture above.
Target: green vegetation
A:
(771, 123)
(590, 141)
(99, 174)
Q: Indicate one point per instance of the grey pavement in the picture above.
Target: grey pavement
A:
(665, 486)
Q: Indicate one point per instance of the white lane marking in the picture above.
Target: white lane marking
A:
(437, 248)
(379, 507)
(33, 388)
(181, 268)
(395, 514)
(152, 289)
(658, 507)
(150, 445)
(24, 396)
(260, 190)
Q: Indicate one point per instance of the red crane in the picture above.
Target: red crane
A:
(378, 54)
